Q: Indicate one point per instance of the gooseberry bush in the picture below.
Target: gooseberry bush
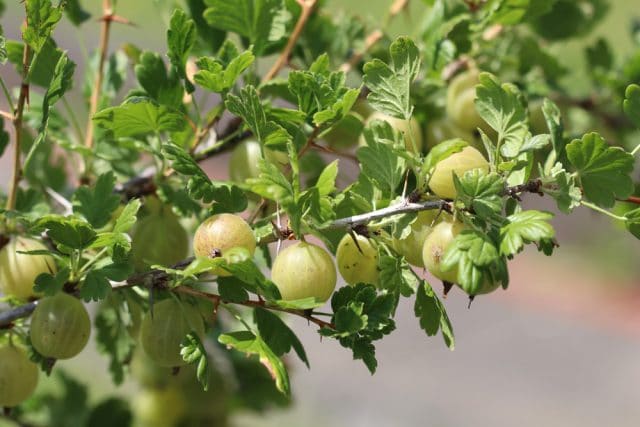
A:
(449, 130)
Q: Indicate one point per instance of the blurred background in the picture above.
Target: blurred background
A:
(559, 348)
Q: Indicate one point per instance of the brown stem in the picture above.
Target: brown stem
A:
(307, 9)
(6, 115)
(369, 42)
(633, 199)
(107, 19)
(23, 99)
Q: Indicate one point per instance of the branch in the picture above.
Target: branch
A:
(23, 98)
(107, 19)
(307, 10)
(8, 317)
(395, 209)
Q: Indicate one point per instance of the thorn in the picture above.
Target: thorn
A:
(355, 240)
(447, 288)
(471, 298)
(175, 370)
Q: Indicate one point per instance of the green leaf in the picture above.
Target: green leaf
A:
(113, 323)
(127, 217)
(193, 352)
(75, 12)
(431, 313)
(3, 48)
(378, 159)
(97, 203)
(228, 198)
(552, 116)
(161, 86)
(278, 336)
(566, 193)
(263, 22)
(214, 76)
(138, 116)
(326, 183)
(210, 38)
(42, 17)
(502, 108)
(232, 289)
(181, 37)
(59, 84)
(525, 227)
(68, 231)
(603, 171)
(95, 287)
(473, 253)
(247, 106)
(633, 222)
(396, 274)
(441, 151)
(247, 342)
(49, 284)
(632, 104)
(480, 192)
(390, 84)
(4, 137)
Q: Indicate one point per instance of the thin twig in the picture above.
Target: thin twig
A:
(6, 115)
(107, 13)
(307, 9)
(18, 114)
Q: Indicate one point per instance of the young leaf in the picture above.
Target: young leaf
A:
(247, 342)
(161, 86)
(263, 22)
(181, 36)
(68, 231)
(378, 159)
(501, 107)
(193, 352)
(214, 76)
(278, 336)
(228, 198)
(431, 313)
(566, 193)
(480, 192)
(603, 171)
(97, 203)
(396, 274)
(42, 17)
(632, 104)
(247, 105)
(49, 284)
(525, 227)
(75, 13)
(390, 84)
(138, 116)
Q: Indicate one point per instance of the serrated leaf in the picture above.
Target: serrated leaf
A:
(48, 284)
(161, 86)
(127, 217)
(390, 84)
(193, 352)
(280, 338)
(214, 76)
(248, 106)
(525, 227)
(263, 22)
(603, 171)
(566, 193)
(138, 116)
(95, 287)
(480, 191)
(427, 310)
(42, 17)
(396, 274)
(501, 107)
(247, 342)
(181, 37)
(68, 231)
(228, 197)
(97, 203)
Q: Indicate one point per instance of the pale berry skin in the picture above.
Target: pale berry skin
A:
(160, 407)
(460, 107)
(304, 270)
(221, 232)
(163, 330)
(409, 128)
(441, 181)
(357, 265)
(159, 238)
(60, 326)
(18, 272)
(18, 376)
(411, 246)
